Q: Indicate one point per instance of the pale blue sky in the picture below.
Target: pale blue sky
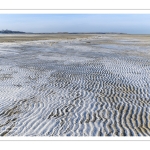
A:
(126, 23)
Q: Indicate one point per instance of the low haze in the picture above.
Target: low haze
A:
(38, 23)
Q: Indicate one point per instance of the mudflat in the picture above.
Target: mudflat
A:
(75, 85)
(34, 37)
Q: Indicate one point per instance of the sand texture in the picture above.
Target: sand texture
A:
(85, 85)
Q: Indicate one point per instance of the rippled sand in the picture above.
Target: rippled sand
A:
(96, 85)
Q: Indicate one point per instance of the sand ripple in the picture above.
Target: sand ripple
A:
(74, 88)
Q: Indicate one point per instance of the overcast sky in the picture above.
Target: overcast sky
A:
(125, 23)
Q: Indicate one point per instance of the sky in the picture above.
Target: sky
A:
(38, 23)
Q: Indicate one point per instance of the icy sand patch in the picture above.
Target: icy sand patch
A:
(76, 87)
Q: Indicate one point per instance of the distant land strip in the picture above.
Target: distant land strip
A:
(16, 32)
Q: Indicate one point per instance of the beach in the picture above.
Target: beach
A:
(74, 85)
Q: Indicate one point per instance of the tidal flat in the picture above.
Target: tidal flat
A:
(74, 85)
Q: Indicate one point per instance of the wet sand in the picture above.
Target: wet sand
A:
(35, 37)
(75, 85)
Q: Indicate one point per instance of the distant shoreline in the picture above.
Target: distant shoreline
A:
(68, 33)
(5, 32)
(4, 38)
